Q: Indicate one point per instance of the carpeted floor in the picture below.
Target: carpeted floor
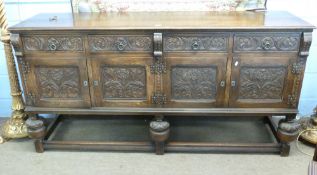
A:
(17, 157)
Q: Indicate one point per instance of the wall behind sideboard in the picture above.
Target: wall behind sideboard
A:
(18, 10)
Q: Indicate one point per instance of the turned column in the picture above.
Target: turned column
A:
(159, 131)
(287, 131)
(36, 130)
(15, 126)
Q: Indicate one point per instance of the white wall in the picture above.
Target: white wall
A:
(18, 10)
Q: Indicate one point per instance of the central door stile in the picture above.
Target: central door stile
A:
(158, 68)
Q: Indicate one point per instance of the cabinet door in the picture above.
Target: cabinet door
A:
(57, 82)
(121, 81)
(195, 81)
(261, 80)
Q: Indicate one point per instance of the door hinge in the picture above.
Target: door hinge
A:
(158, 98)
(292, 100)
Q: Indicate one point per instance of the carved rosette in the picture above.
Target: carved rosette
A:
(119, 43)
(52, 43)
(267, 42)
(195, 43)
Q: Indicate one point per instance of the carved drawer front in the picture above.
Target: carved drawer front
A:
(53, 43)
(259, 42)
(136, 43)
(208, 42)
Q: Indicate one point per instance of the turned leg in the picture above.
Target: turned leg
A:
(159, 131)
(287, 131)
(36, 131)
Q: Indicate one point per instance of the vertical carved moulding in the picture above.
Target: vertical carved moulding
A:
(298, 68)
(288, 129)
(158, 68)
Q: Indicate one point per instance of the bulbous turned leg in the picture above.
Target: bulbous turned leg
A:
(159, 131)
(287, 131)
(36, 131)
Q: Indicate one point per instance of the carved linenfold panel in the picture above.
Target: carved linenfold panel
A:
(119, 43)
(196, 43)
(267, 42)
(52, 43)
(262, 82)
(58, 82)
(194, 82)
(124, 82)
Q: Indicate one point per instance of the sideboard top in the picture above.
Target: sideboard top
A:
(163, 20)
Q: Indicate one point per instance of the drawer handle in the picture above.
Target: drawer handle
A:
(52, 46)
(267, 43)
(195, 45)
(121, 44)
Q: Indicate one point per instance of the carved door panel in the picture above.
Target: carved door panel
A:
(121, 81)
(261, 81)
(57, 82)
(195, 81)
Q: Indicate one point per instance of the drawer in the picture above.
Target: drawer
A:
(52, 43)
(120, 43)
(266, 42)
(204, 42)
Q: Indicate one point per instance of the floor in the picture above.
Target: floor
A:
(17, 157)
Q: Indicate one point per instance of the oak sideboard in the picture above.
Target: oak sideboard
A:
(160, 64)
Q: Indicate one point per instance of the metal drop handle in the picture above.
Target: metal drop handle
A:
(120, 46)
(195, 45)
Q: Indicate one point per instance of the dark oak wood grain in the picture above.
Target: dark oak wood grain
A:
(164, 63)
(164, 20)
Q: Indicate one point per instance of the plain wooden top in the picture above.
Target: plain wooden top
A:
(163, 20)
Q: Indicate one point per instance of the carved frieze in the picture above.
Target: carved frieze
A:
(262, 82)
(267, 42)
(52, 43)
(58, 82)
(196, 43)
(119, 43)
(124, 82)
(194, 82)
